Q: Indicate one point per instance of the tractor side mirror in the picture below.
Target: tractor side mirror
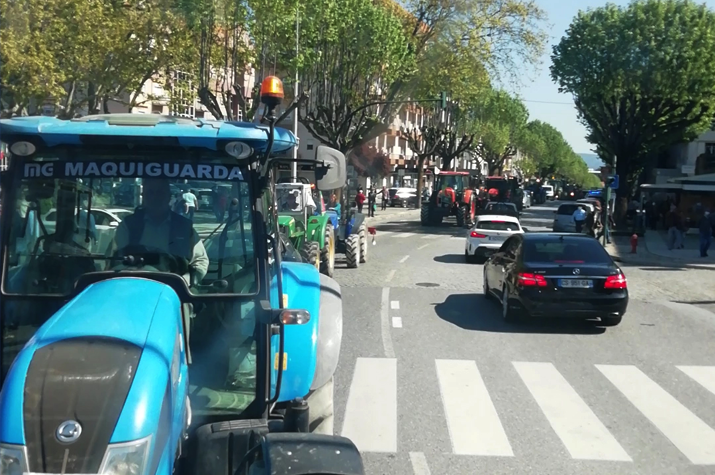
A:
(310, 454)
(331, 171)
(114, 224)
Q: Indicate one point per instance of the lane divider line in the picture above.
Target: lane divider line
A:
(396, 322)
(419, 463)
(395, 305)
(404, 259)
(385, 324)
(390, 275)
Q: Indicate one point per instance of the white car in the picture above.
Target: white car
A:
(488, 234)
(105, 221)
(563, 217)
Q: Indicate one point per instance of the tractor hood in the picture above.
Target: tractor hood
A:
(94, 374)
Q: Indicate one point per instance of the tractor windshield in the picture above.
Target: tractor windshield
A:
(72, 214)
(100, 213)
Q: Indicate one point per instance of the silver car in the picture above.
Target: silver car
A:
(563, 217)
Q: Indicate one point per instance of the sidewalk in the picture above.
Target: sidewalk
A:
(653, 251)
(393, 214)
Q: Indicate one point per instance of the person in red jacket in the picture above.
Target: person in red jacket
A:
(360, 199)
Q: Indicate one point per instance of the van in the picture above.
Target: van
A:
(549, 192)
(563, 219)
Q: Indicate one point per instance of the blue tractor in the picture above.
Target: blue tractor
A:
(132, 346)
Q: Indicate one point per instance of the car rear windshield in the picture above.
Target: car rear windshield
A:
(498, 226)
(566, 251)
(567, 210)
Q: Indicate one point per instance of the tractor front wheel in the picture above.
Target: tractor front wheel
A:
(424, 215)
(352, 251)
(461, 216)
(363, 243)
(321, 411)
(327, 254)
(311, 253)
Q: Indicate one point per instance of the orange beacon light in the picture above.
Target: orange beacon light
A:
(272, 91)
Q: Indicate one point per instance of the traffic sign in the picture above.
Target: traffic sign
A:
(613, 182)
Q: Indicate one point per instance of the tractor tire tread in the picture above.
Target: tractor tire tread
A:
(352, 251)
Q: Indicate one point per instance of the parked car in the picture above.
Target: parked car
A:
(563, 216)
(403, 197)
(556, 275)
(488, 234)
(105, 221)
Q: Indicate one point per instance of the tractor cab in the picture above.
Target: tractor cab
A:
(183, 343)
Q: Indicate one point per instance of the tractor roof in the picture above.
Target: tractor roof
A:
(454, 173)
(209, 134)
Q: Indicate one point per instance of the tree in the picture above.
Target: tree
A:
(424, 142)
(642, 77)
(498, 120)
(370, 162)
(362, 50)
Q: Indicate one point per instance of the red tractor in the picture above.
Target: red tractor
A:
(453, 195)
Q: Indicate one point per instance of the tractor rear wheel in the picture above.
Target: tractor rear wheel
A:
(424, 215)
(352, 251)
(363, 243)
(311, 253)
(327, 253)
(461, 216)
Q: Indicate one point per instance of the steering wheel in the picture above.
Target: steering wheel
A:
(141, 256)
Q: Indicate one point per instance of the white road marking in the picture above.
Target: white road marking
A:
(704, 375)
(430, 236)
(693, 437)
(396, 322)
(404, 235)
(395, 305)
(371, 412)
(422, 247)
(583, 434)
(404, 259)
(390, 275)
(419, 463)
(385, 324)
(474, 426)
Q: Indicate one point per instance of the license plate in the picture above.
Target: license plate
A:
(495, 238)
(576, 283)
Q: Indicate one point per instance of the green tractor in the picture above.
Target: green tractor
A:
(302, 222)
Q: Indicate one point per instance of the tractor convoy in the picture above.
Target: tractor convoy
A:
(224, 361)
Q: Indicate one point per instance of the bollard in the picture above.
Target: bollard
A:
(634, 243)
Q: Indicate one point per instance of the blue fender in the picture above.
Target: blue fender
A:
(333, 216)
(301, 288)
(158, 392)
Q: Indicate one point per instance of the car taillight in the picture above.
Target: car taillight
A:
(531, 280)
(617, 282)
(475, 234)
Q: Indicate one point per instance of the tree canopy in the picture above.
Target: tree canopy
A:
(642, 77)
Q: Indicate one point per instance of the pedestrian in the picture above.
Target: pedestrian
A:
(371, 200)
(706, 232)
(385, 197)
(674, 225)
(360, 199)
(579, 218)
(590, 223)
(192, 203)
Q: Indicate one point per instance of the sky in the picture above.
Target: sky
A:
(542, 96)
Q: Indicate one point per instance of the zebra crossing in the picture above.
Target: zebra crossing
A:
(470, 417)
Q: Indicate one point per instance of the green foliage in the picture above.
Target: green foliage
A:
(642, 76)
(548, 154)
(81, 53)
(356, 58)
(499, 119)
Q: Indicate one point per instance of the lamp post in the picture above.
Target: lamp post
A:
(294, 165)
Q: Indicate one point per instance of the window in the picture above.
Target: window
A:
(566, 251)
(498, 226)
(710, 148)
(567, 210)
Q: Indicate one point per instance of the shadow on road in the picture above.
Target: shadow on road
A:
(474, 312)
(451, 259)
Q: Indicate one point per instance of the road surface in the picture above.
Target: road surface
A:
(431, 381)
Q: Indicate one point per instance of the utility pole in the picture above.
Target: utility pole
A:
(294, 164)
(607, 204)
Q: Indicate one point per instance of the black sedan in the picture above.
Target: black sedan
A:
(559, 275)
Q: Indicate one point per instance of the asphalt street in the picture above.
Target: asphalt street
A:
(431, 381)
